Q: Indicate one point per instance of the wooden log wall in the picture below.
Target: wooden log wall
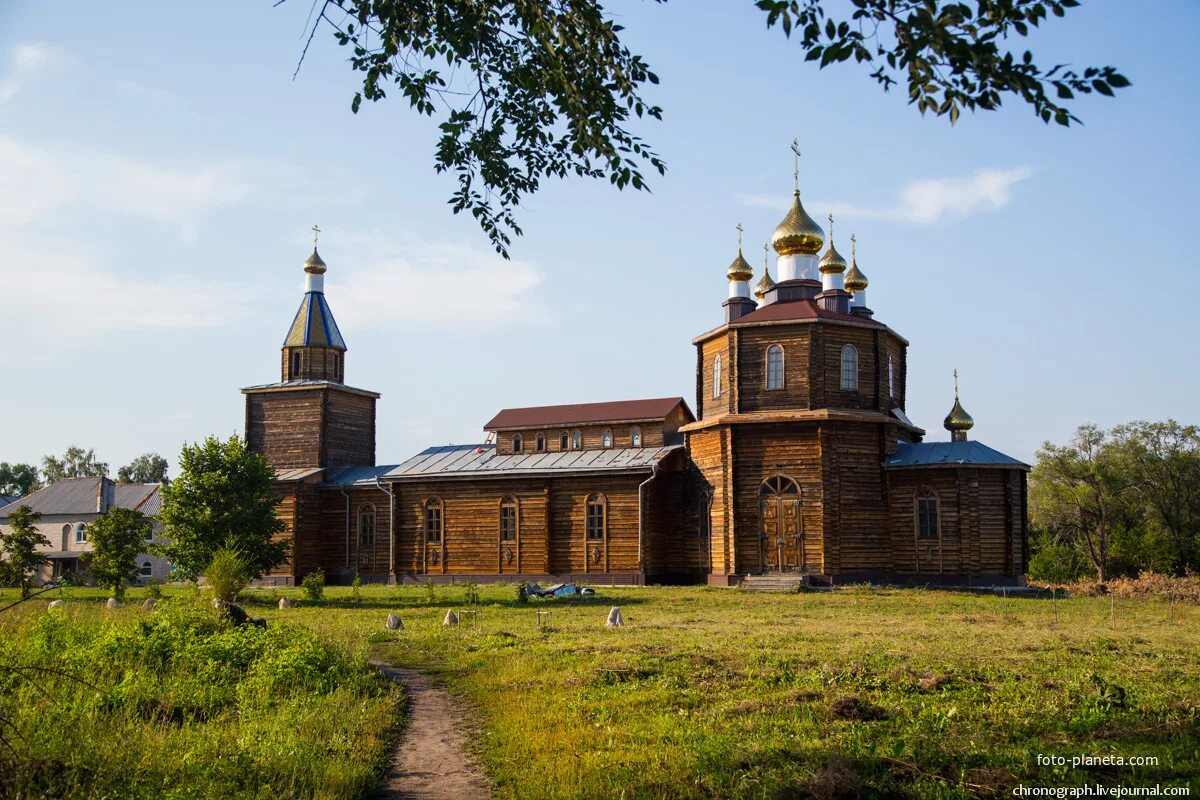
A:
(285, 427)
(708, 406)
(708, 450)
(856, 520)
(316, 363)
(753, 394)
(349, 429)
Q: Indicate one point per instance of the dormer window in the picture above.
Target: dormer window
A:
(606, 439)
(576, 440)
(564, 441)
(518, 443)
(635, 437)
(775, 367)
(540, 443)
(716, 377)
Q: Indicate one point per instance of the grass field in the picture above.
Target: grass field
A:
(718, 693)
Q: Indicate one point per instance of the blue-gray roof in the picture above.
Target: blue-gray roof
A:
(949, 454)
(482, 461)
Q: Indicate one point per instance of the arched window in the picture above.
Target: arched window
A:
(80, 532)
(576, 440)
(597, 518)
(66, 535)
(716, 377)
(295, 374)
(508, 519)
(366, 526)
(518, 443)
(891, 376)
(606, 438)
(433, 520)
(927, 515)
(564, 441)
(779, 486)
(774, 367)
(635, 436)
(146, 570)
(850, 368)
(539, 443)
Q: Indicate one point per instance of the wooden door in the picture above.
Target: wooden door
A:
(780, 532)
(771, 549)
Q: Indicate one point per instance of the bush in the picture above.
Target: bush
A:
(227, 574)
(356, 588)
(522, 593)
(154, 590)
(314, 585)
(1055, 562)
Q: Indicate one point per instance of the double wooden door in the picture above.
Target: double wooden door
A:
(781, 545)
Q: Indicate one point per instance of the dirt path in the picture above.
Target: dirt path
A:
(431, 762)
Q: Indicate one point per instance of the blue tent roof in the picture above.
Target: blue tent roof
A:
(314, 324)
(949, 454)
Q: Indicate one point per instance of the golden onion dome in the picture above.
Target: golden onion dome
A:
(764, 285)
(739, 269)
(798, 233)
(856, 281)
(314, 265)
(832, 261)
(958, 420)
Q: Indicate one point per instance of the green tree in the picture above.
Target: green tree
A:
(146, 468)
(1079, 493)
(1164, 460)
(117, 538)
(18, 479)
(19, 549)
(527, 90)
(221, 499)
(75, 463)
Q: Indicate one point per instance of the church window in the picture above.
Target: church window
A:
(518, 443)
(540, 443)
(508, 520)
(597, 518)
(146, 569)
(774, 367)
(80, 532)
(716, 377)
(366, 526)
(576, 440)
(564, 441)
(850, 368)
(606, 438)
(295, 366)
(433, 520)
(927, 515)
(336, 366)
(891, 376)
(635, 437)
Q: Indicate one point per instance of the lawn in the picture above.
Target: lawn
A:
(720, 693)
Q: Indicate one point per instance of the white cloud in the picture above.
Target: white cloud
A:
(396, 281)
(26, 61)
(929, 201)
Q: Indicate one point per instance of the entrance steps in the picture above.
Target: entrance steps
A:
(781, 582)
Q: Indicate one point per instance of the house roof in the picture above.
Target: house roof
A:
(314, 324)
(949, 454)
(307, 383)
(788, 310)
(482, 461)
(82, 495)
(5, 499)
(587, 413)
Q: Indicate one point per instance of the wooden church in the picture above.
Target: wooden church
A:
(799, 459)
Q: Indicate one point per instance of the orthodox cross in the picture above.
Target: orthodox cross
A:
(956, 383)
(766, 260)
(739, 230)
(853, 241)
(796, 164)
(316, 232)
(831, 229)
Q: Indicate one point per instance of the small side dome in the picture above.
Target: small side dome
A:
(798, 233)
(958, 421)
(856, 281)
(764, 285)
(832, 261)
(314, 265)
(740, 269)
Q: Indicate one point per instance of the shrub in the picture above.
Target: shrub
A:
(522, 593)
(1056, 562)
(154, 589)
(356, 588)
(314, 585)
(227, 574)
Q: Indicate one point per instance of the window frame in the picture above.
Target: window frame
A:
(79, 529)
(539, 443)
(891, 376)
(595, 500)
(433, 508)
(366, 538)
(775, 348)
(606, 439)
(576, 440)
(564, 441)
(509, 503)
(923, 496)
(716, 377)
(518, 444)
(295, 366)
(849, 368)
(146, 569)
(635, 436)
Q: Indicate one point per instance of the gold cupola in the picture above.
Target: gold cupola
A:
(856, 281)
(798, 234)
(958, 421)
(832, 261)
(314, 265)
(765, 283)
(739, 269)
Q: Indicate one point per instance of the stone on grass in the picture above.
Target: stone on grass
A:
(450, 620)
(113, 603)
(394, 623)
(55, 604)
(148, 605)
(615, 620)
(285, 602)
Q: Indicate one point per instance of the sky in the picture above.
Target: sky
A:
(160, 170)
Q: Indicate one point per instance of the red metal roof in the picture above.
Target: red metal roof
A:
(587, 413)
(800, 309)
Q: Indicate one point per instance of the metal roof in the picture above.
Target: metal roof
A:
(82, 496)
(800, 309)
(298, 474)
(314, 324)
(587, 413)
(482, 461)
(949, 454)
(308, 383)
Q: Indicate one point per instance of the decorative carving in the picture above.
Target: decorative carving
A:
(597, 553)
(508, 556)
